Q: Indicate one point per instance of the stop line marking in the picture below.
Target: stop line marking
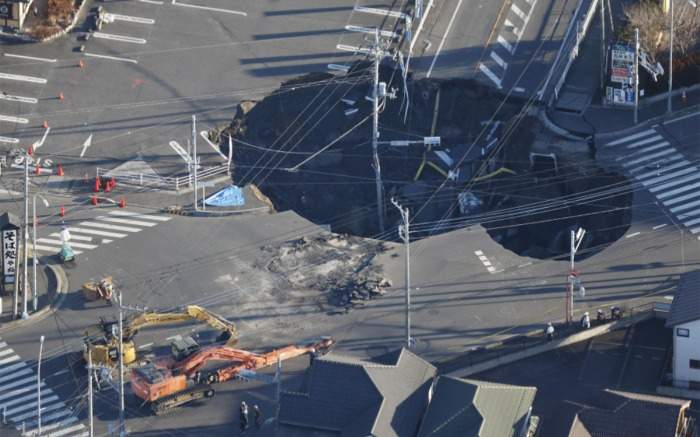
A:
(22, 78)
(18, 98)
(209, 8)
(32, 58)
(113, 58)
(140, 20)
(9, 140)
(11, 119)
(121, 38)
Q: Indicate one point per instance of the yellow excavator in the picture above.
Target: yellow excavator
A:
(105, 347)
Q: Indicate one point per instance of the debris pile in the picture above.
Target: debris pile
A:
(341, 266)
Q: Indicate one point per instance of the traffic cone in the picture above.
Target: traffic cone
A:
(97, 186)
(108, 187)
(37, 169)
(60, 96)
(122, 202)
(113, 181)
(93, 199)
(62, 211)
(81, 63)
(30, 150)
(60, 170)
(45, 124)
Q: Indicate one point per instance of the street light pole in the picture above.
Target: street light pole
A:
(576, 239)
(375, 131)
(26, 237)
(90, 375)
(35, 301)
(122, 430)
(405, 237)
(669, 104)
(194, 146)
(38, 386)
(636, 75)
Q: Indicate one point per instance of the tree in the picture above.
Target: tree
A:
(653, 23)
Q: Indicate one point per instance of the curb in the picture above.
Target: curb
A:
(654, 120)
(57, 274)
(552, 127)
(179, 210)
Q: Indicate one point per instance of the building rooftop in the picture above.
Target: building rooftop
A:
(384, 397)
(466, 408)
(623, 414)
(686, 302)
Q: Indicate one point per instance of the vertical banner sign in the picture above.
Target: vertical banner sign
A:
(621, 75)
(9, 255)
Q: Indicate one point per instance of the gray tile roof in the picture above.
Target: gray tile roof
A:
(466, 408)
(686, 302)
(356, 398)
(633, 416)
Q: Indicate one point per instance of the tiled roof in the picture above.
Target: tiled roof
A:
(384, 397)
(686, 302)
(633, 416)
(466, 408)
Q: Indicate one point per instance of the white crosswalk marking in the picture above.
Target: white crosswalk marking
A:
(19, 400)
(103, 229)
(664, 171)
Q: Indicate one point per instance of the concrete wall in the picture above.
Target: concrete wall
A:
(685, 349)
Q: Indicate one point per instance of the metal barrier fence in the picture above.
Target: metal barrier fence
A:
(575, 33)
(168, 183)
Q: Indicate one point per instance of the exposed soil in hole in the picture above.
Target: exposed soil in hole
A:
(488, 161)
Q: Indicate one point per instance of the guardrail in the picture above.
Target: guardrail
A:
(168, 183)
(568, 51)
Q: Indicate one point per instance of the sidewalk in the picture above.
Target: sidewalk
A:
(46, 287)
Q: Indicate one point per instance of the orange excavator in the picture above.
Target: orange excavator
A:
(167, 383)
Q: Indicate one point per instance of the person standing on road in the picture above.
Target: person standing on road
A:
(549, 331)
(258, 416)
(244, 416)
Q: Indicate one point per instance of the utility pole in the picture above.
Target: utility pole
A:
(669, 104)
(405, 237)
(25, 244)
(122, 428)
(90, 375)
(636, 76)
(576, 239)
(38, 386)
(194, 146)
(603, 50)
(378, 54)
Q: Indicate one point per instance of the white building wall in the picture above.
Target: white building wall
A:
(685, 349)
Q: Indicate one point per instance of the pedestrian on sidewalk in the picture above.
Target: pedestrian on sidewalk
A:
(585, 321)
(549, 331)
(244, 416)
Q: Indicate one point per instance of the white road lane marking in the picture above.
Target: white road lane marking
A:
(44, 409)
(60, 423)
(106, 241)
(9, 140)
(17, 374)
(113, 58)
(22, 78)
(121, 38)
(180, 151)
(138, 214)
(490, 74)
(634, 234)
(153, 2)
(693, 204)
(9, 360)
(11, 119)
(667, 176)
(499, 60)
(111, 227)
(96, 232)
(19, 99)
(649, 157)
(72, 237)
(506, 45)
(368, 30)
(383, 12)
(646, 141)
(485, 261)
(517, 11)
(31, 58)
(126, 221)
(644, 150)
(690, 178)
(444, 37)
(209, 8)
(60, 243)
(144, 346)
(657, 227)
(8, 369)
(631, 137)
(43, 248)
(677, 191)
(129, 18)
(5, 352)
(86, 144)
(68, 430)
(658, 171)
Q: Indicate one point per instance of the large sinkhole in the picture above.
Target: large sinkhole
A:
(308, 148)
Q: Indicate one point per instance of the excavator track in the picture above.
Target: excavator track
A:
(195, 393)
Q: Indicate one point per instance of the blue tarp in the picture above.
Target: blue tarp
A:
(229, 196)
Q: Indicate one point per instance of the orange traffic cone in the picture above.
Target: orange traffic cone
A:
(113, 181)
(93, 199)
(37, 169)
(122, 202)
(30, 150)
(60, 170)
(45, 124)
(97, 186)
(60, 96)
(62, 211)
(108, 187)
(81, 63)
